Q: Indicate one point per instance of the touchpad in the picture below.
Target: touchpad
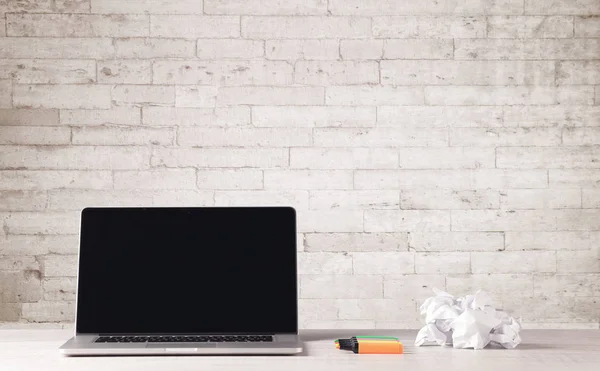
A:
(181, 345)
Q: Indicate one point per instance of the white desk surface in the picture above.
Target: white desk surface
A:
(546, 350)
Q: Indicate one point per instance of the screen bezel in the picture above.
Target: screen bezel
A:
(79, 312)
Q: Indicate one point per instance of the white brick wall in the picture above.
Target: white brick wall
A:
(451, 144)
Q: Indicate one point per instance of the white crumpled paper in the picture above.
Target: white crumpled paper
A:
(466, 322)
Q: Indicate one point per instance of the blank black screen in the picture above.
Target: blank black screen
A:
(187, 270)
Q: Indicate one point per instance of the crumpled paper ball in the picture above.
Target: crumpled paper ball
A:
(466, 322)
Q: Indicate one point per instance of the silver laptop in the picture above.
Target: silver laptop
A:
(161, 281)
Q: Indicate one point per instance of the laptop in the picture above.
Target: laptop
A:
(186, 281)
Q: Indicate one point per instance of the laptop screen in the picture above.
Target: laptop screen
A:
(187, 271)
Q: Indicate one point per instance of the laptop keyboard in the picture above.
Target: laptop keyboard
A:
(186, 339)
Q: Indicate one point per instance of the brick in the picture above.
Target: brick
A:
(72, 6)
(62, 96)
(23, 245)
(179, 198)
(590, 199)
(587, 26)
(63, 158)
(230, 49)
(445, 199)
(548, 157)
(336, 73)
(446, 158)
(340, 286)
(143, 94)
(406, 220)
(296, 199)
(221, 157)
(585, 261)
(330, 221)
(43, 47)
(241, 137)
(451, 179)
(21, 287)
(122, 136)
(524, 27)
(345, 242)
(506, 137)
(6, 93)
(379, 309)
(383, 262)
(10, 312)
(39, 71)
(411, 179)
(174, 116)
(578, 72)
(507, 95)
(410, 7)
(499, 286)
(60, 289)
(48, 311)
(578, 178)
(526, 49)
(417, 49)
(196, 96)
(34, 135)
(313, 116)
(317, 309)
(513, 262)
(361, 49)
(380, 137)
(266, 7)
(156, 179)
(79, 199)
(353, 200)
(324, 263)
(242, 179)
(42, 223)
(275, 96)
(223, 72)
(305, 27)
(343, 158)
(562, 7)
(308, 179)
(469, 95)
(439, 116)
(49, 179)
(566, 285)
(456, 241)
(576, 219)
(495, 220)
(124, 72)
(467, 72)
(442, 262)
(26, 117)
(120, 116)
(373, 95)
(18, 263)
(60, 265)
(540, 198)
(302, 49)
(552, 116)
(146, 48)
(555, 311)
(429, 27)
(418, 287)
(147, 6)
(76, 25)
(22, 200)
(193, 26)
